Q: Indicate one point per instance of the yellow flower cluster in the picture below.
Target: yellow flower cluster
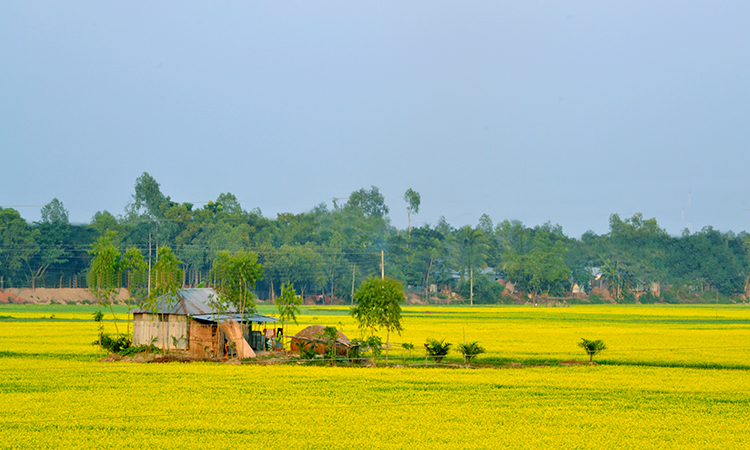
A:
(53, 394)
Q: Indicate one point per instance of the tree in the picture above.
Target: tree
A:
(235, 275)
(147, 199)
(592, 347)
(412, 199)
(166, 281)
(288, 304)
(18, 244)
(54, 212)
(474, 248)
(104, 272)
(54, 229)
(378, 306)
(134, 266)
(369, 203)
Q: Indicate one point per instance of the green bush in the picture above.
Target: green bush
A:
(648, 298)
(437, 349)
(596, 299)
(114, 343)
(628, 298)
(470, 350)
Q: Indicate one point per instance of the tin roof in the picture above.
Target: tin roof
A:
(194, 302)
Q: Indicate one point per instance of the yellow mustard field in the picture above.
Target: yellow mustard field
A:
(55, 394)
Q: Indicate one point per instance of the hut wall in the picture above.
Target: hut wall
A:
(148, 328)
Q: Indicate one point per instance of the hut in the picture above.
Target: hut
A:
(189, 324)
(313, 335)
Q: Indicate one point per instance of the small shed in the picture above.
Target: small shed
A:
(188, 323)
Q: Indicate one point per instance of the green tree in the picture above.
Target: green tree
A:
(18, 244)
(235, 275)
(288, 304)
(592, 348)
(104, 272)
(135, 268)
(379, 306)
(54, 229)
(412, 199)
(474, 253)
(166, 281)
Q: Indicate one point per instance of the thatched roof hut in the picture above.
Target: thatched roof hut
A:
(314, 335)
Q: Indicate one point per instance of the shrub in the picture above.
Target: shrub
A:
(470, 350)
(648, 298)
(437, 349)
(628, 298)
(114, 343)
(596, 299)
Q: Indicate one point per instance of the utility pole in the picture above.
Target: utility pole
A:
(382, 264)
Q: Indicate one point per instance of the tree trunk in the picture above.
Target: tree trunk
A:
(471, 286)
(387, 345)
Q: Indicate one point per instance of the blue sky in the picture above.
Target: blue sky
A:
(536, 111)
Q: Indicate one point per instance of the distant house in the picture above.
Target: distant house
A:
(189, 324)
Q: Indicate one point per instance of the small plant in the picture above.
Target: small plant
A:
(592, 347)
(330, 334)
(408, 347)
(470, 351)
(437, 349)
(306, 350)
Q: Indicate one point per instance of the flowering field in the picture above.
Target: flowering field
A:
(53, 393)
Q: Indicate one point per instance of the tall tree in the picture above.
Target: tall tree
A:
(104, 272)
(235, 275)
(474, 251)
(378, 305)
(412, 199)
(166, 281)
(18, 244)
(54, 229)
(288, 304)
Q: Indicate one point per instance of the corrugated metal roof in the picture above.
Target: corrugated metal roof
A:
(195, 302)
(236, 317)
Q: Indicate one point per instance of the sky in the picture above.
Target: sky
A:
(560, 111)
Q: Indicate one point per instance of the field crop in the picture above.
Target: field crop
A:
(55, 394)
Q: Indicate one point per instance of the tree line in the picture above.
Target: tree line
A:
(328, 252)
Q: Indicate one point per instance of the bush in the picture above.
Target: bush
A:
(596, 299)
(670, 297)
(437, 349)
(114, 343)
(470, 350)
(628, 298)
(648, 298)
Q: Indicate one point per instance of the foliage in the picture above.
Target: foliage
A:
(306, 350)
(470, 350)
(330, 335)
(592, 348)
(235, 275)
(378, 304)
(437, 349)
(114, 343)
(288, 304)
(485, 291)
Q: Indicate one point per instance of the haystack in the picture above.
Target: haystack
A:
(314, 334)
